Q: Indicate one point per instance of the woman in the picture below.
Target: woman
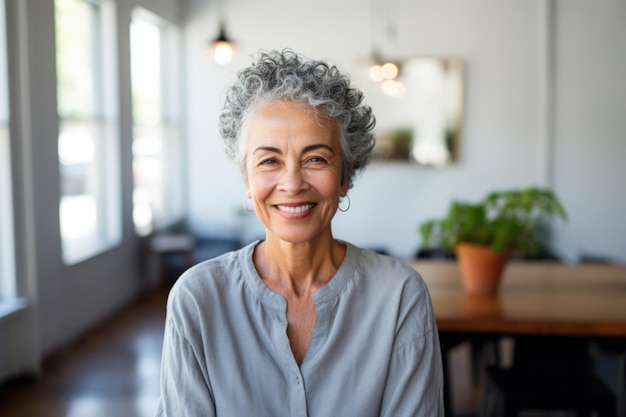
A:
(300, 323)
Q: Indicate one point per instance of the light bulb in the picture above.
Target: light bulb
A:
(389, 71)
(223, 52)
(392, 88)
(376, 73)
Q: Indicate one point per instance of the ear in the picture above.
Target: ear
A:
(345, 184)
(244, 177)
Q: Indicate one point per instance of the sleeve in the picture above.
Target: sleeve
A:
(184, 389)
(414, 384)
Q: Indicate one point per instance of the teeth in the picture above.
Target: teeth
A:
(297, 209)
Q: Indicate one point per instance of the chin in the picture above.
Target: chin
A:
(303, 237)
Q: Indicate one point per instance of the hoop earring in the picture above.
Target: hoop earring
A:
(245, 205)
(346, 197)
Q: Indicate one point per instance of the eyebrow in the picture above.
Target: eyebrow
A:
(306, 149)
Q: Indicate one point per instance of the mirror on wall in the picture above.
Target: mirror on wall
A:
(419, 110)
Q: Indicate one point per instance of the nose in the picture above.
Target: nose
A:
(293, 180)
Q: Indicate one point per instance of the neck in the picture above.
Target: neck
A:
(298, 268)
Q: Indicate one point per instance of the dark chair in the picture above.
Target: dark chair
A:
(173, 248)
(548, 375)
(166, 246)
(609, 356)
(434, 253)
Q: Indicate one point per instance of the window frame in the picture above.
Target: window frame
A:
(103, 123)
(8, 275)
(173, 193)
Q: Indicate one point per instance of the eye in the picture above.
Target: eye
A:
(317, 160)
(268, 161)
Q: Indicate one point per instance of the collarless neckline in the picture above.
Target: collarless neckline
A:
(274, 300)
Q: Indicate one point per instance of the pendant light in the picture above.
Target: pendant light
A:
(382, 69)
(222, 46)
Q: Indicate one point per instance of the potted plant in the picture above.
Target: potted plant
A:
(484, 234)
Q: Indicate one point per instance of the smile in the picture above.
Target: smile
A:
(295, 209)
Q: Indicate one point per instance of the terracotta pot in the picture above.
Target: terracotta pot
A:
(481, 268)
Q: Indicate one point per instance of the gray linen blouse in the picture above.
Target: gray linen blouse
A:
(374, 350)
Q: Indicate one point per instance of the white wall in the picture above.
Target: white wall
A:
(545, 105)
(590, 128)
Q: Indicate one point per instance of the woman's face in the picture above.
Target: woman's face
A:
(293, 170)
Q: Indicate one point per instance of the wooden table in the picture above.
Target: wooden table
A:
(536, 299)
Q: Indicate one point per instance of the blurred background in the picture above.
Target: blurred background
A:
(109, 139)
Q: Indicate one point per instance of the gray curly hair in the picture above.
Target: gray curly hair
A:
(275, 75)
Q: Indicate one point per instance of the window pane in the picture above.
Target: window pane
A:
(148, 138)
(78, 180)
(7, 248)
(7, 257)
(74, 58)
(4, 85)
(157, 143)
(87, 145)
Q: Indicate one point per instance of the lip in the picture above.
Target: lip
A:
(294, 211)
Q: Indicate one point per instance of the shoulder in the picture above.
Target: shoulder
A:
(397, 286)
(207, 283)
(386, 270)
(207, 273)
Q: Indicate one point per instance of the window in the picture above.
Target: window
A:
(8, 288)
(158, 195)
(88, 140)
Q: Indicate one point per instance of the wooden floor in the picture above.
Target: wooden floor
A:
(111, 372)
(114, 371)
